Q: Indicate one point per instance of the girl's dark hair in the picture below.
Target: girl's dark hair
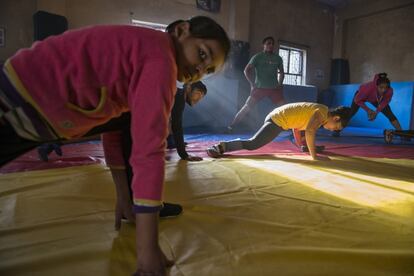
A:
(268, 38)
(200, 86)
(343, 112)
(196, 85)
(206, 28)
(171, 26)
(382, 78)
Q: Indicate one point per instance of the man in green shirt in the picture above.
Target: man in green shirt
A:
(266, 65)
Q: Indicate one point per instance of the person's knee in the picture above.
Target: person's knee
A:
(250, 145)
(392, 119)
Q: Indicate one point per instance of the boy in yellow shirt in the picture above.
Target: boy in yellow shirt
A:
(301, 116)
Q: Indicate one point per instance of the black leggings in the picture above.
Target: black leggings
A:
(263, 136)
(386, 110)
(126, 152)
(12, 145)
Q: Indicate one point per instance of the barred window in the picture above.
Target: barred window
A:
(151, 25)
(294, 64)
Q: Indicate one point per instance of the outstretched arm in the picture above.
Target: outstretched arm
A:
(112, 146)
(177, 128)
(361, 97)
(310, 142)
(281, 75)
(152, 261)
(176, 124)
(314, 123)
(150, 100)
(248, 72)
(386, 100)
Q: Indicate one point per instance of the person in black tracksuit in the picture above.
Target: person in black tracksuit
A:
(190, 94)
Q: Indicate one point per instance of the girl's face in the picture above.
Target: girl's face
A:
(195, 56)
(333, 123)
(382, 88)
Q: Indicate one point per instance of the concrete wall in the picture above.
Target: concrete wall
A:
(299, 21)
(52, 6)
(81, 13)
(376, 36)
(352, 32)
(16, 18)
(233, 15)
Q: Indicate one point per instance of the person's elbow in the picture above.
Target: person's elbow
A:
(310, 134)
(359, 102)
(311, 129)
(247, 69)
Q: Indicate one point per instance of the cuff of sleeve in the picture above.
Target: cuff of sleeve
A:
(146, 209)
(146, 206)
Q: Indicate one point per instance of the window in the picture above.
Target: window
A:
(294, 64)
(151, 25)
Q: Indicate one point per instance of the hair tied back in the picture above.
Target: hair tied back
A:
(382, 75)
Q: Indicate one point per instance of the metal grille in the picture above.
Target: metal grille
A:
(293, 60)
(151, 25)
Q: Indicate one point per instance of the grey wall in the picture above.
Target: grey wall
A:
(377, 36)
(300, 21)
(16, 18)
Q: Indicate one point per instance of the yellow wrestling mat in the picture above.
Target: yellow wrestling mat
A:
(242, 216)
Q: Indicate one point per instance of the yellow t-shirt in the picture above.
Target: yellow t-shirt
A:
(297, 115)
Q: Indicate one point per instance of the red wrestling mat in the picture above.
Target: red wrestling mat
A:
(287, 148)
(73, 155)
(92, 153)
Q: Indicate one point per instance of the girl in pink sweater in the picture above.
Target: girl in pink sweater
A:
(378, 93)
(81, 83)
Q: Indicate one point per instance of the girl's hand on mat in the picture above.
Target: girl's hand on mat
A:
(194, 158)
(153, 263)
(371, 115)
(150, 258)
(321, 158)
(123, 210)
(123, 207)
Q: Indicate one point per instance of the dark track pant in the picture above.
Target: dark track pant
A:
(263, 136)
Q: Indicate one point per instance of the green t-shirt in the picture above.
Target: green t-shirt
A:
(266, 66)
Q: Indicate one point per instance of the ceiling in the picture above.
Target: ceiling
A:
(334, 3)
